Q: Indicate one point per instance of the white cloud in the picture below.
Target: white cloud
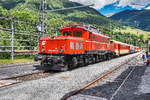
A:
(138, 4)
(148, 7)
(98, 3)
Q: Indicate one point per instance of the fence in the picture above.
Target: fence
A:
(18, 41)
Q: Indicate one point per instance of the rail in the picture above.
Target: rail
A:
(98, 79)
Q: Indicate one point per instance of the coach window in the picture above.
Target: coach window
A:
(99, 45)
(71, 45)
(102, 39)
(67, 33)
(77, 33)
(77, 45)
(99, 39)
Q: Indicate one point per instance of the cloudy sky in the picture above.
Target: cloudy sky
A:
(113, 6)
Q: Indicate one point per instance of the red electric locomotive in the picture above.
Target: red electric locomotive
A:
(77, 46)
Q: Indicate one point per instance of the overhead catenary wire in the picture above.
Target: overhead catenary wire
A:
(17, 21)
(53, 10)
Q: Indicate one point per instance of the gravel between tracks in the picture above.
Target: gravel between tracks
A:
(7, 72)
(54, 88)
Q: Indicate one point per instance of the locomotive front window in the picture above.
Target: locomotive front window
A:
(67, 33)
(77, 33)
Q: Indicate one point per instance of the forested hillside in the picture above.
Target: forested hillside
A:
(85, 15)
(137, 18)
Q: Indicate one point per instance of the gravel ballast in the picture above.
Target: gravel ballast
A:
(57, 86)
(7, 72)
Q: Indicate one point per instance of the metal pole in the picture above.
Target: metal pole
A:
(148, 45)
(39, 41)
(43, 15)
(12, 40)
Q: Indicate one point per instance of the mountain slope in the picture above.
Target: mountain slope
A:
(28, 10)
(136, 18)
(85, 15)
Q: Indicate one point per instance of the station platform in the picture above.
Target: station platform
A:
(136, 87)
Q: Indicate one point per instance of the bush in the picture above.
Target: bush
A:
(5, 55)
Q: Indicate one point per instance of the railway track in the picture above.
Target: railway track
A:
(103, 77)
(22, 78)
(17, 65)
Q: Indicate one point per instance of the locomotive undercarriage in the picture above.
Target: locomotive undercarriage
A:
(64, 62)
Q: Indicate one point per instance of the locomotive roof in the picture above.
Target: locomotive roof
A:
(87, 28)
(120, 42)
(61, 38)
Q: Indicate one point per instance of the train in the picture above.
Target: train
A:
(79, 45)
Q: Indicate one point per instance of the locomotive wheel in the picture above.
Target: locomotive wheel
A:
(97, 59)
(104, 57)
(108, 57)
(74, 62)
(93, 60)
(86, 61)
(44, 67)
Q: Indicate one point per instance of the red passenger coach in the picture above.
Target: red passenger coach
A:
(77, 45)
(121, 48)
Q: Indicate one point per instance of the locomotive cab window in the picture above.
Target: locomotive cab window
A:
(77, 33)
(90, 37)
(67, 33)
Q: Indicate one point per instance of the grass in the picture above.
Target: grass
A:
(16, 60)
(133, 31)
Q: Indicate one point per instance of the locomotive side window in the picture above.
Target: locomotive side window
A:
(71, 45)
(67, 33)
(93, 37)
(77, 45)
(90, 36)
(77, 33)
(81, 45)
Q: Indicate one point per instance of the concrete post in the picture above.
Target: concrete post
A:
(12, 40)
